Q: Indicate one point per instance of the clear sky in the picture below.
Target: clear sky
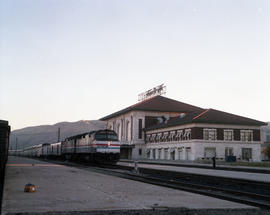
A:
(67, 60)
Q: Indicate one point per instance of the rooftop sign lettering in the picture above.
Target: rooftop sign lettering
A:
(159, 90)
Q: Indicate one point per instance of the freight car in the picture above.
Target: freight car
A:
(95, 146)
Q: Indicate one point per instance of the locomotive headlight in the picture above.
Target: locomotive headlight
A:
(109, 143)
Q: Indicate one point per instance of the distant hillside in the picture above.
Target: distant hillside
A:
(30, 136)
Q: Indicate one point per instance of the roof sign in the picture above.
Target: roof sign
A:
(159, 90)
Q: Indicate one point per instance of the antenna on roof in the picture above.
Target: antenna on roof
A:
(159, 90)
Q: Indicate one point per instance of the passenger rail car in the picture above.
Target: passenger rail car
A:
(54, 150)
(95, 146)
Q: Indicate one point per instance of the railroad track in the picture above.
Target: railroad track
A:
(209, 166)
(255, 193)
(237, 190)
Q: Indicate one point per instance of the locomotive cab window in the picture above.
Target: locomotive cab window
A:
(106, 135)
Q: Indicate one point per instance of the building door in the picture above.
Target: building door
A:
(179, 151)
(188, 153)
(159, 153)
(148, 154)
(166, 155)
(172, 155)
(246, 154)
(125, 153)
(209, 152)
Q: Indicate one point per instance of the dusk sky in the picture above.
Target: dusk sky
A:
(68, 60)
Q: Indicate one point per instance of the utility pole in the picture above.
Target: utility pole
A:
(58, 135)
(16, 144)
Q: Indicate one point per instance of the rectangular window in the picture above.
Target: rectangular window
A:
(171, 137)
(179, 135)
(209, 134)
(228, 151)
(165, 136)
(148, 138)
(140, 151)
(140, 128)
(187, 134)
(247, 154)
(246, 135)
(158, 138)
(228, 135)
(153, 138)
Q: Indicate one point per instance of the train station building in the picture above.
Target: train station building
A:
(166, 129)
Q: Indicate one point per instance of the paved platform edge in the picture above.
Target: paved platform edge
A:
(157, 211)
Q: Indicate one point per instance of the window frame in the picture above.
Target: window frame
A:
(225, 135)
(207, 134)
(246, 135)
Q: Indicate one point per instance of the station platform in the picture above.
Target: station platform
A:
(261, 177)
(255, 169)
(62, 188)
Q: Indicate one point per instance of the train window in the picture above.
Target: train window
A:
(106, 136)
(112, 137)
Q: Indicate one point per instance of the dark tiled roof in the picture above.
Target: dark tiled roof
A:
(158, 104)
(208, 116)
(216, 116)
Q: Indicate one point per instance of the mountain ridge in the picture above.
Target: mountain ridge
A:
(34, 135)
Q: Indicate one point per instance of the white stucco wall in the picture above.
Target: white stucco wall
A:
(197, 149)
(134, 116)
(200, 145)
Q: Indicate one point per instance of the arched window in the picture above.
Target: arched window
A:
(128, 134)
(122, 128)
(119, 131)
